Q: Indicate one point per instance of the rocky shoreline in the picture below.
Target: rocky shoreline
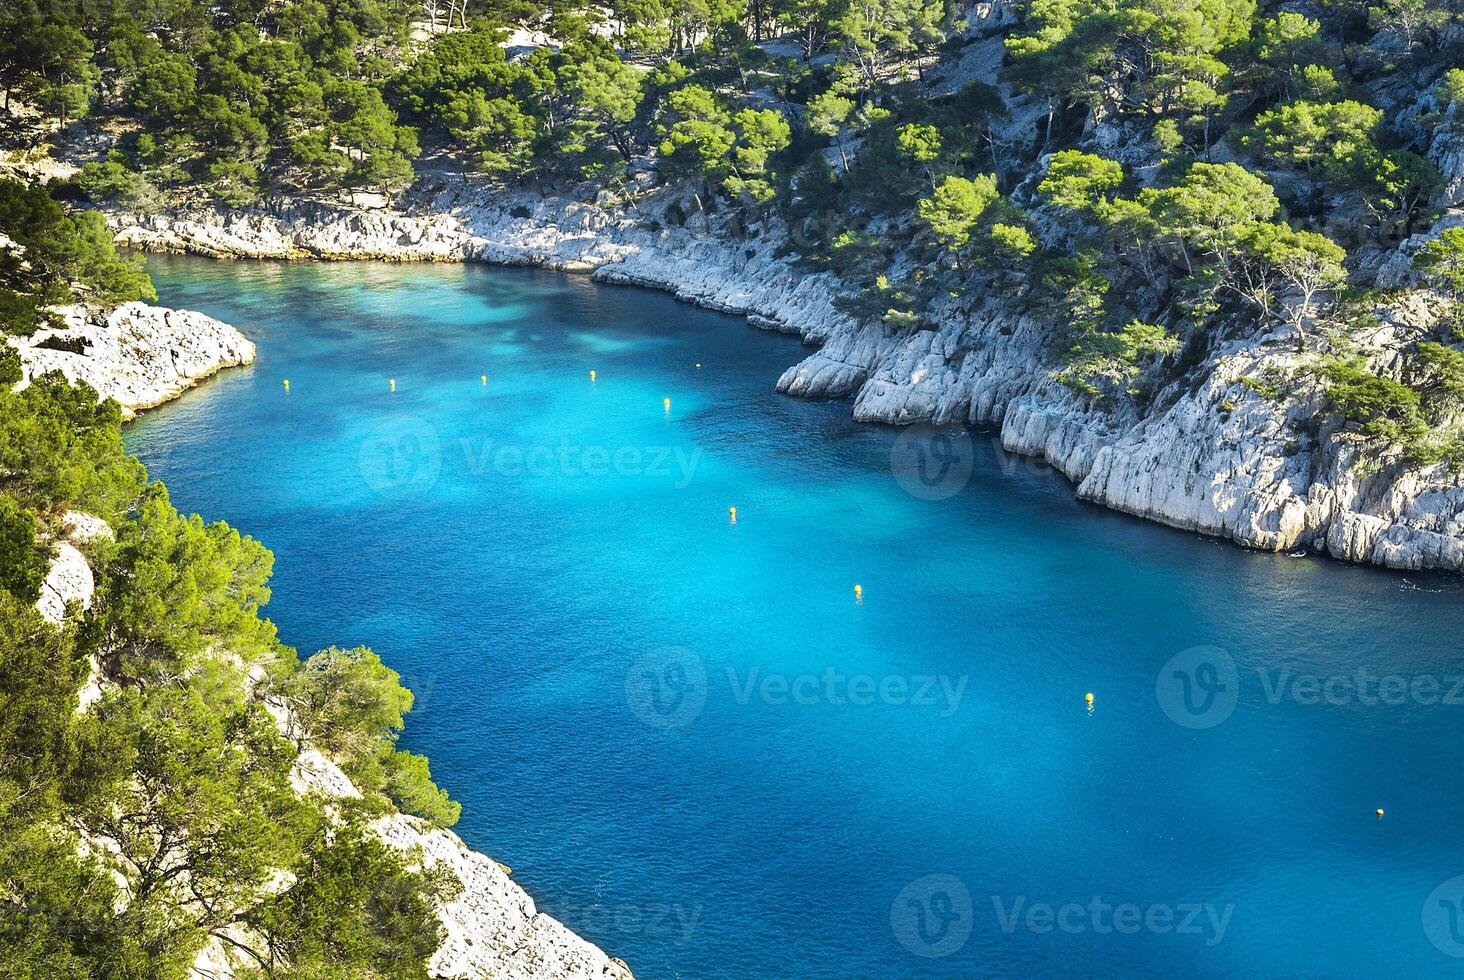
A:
(1209, 453)
(139, 355)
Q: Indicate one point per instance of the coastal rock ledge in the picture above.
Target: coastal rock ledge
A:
(140, 355)
(1208, 453)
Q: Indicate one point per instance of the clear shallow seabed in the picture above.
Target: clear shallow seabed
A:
(525, 552)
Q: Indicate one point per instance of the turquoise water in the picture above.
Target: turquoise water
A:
(692, 743)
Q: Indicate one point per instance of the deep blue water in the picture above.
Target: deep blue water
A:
(549, 562)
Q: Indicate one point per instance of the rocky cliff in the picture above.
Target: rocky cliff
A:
(140, 355)
(1209, 453)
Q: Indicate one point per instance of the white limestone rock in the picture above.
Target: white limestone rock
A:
(82, 527)
(140, 355)
(492, 927)
(69, 580)
(314, 772)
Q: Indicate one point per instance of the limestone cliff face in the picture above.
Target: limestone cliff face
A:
(1207, 453)
(140, 355)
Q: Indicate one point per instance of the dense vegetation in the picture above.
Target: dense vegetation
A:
(177, 776)
(1156, 178)
(57, 253)
(1258, 175)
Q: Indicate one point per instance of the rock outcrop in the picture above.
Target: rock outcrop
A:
(140, 355)
(1209, 453)
(69, 580)
(493, 927)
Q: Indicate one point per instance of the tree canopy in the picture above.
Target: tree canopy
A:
(159, 814)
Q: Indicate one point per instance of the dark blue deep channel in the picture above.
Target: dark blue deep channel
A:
(696, 747)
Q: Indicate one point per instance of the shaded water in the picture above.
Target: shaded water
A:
(697, 749)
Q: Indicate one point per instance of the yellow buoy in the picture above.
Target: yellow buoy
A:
(733, 512)
(592, 375)
(1380, 813)
(698, 365)
(858, 593)
(392, 382)
(666, 404)
(287, 384)
(1088, 697)
(483, 378)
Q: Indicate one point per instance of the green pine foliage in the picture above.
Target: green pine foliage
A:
(1269, 168)
(177, 778)
(53, 254)
(22, 560)
(1266, 181)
